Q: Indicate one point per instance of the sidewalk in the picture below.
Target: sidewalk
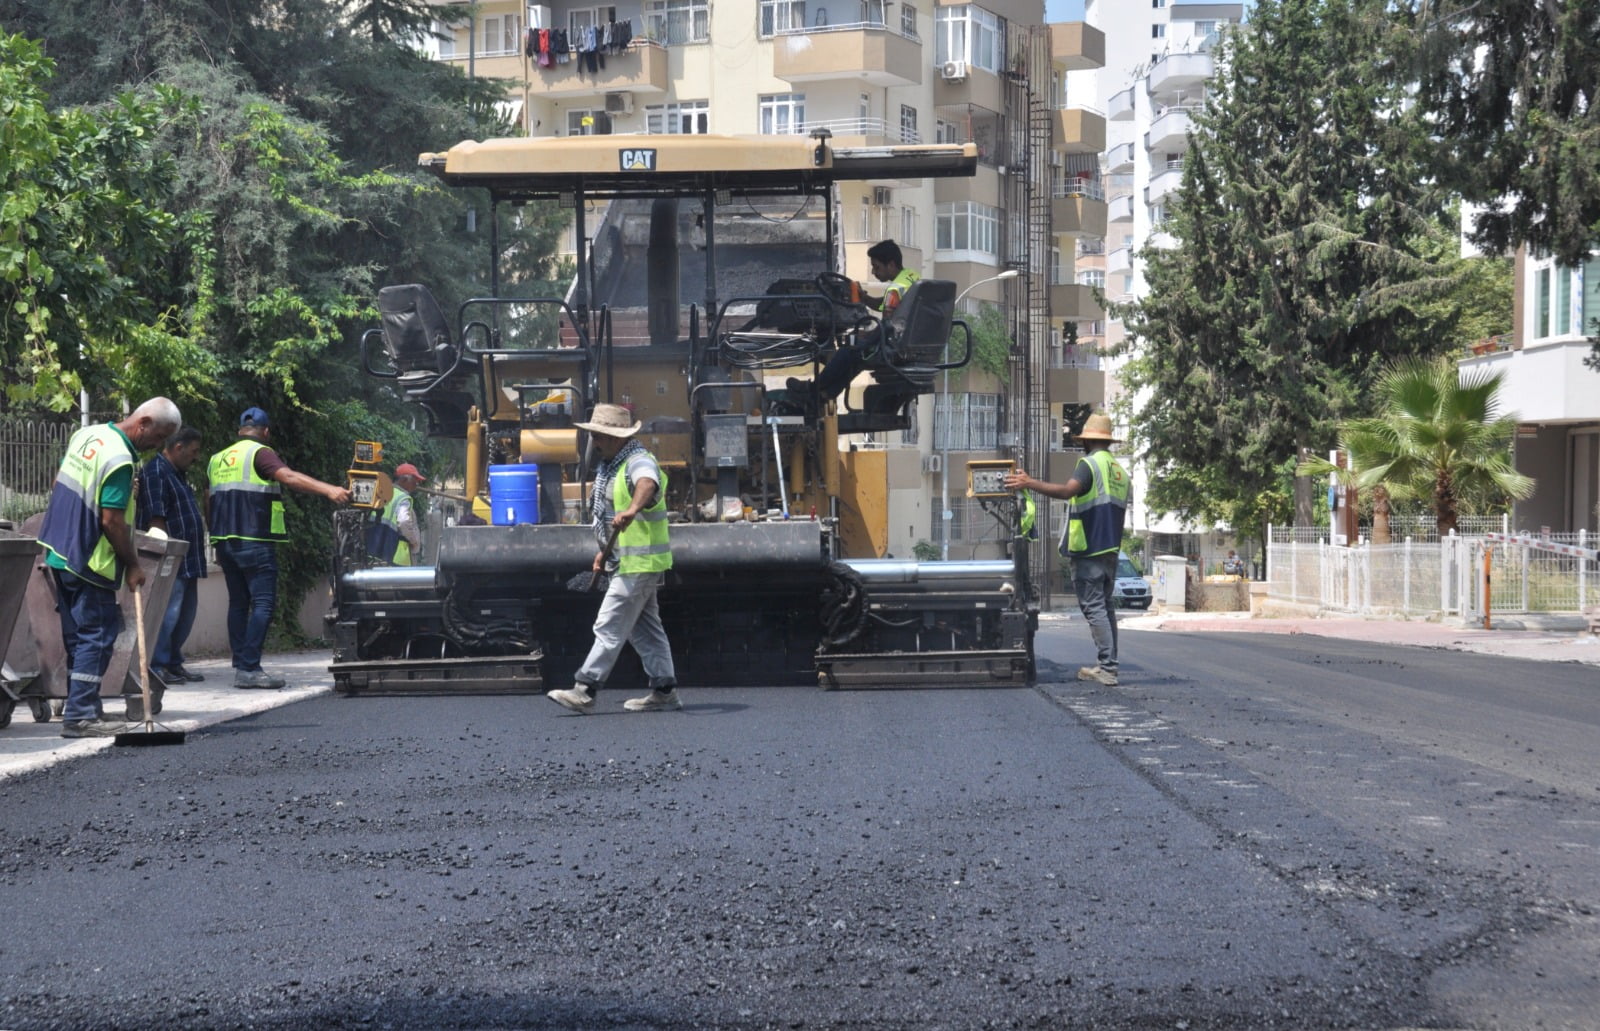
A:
(26, 745)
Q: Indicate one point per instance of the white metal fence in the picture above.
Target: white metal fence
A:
(1551, 575)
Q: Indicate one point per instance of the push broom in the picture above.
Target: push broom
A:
(149, 736)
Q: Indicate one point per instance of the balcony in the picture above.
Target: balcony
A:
(1077, 214)
(1120, 107)
(862, 52)
(1164, 183)
(1120, 209)
(1170, 132)
(642, 68)
(1120, 158)
(1076, 382)
(1079, 131)
(967, 86)
(1077, 46)
(1075, 302)
(1119, 260)
(1180, 72)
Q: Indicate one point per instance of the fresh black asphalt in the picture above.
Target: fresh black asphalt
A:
(1189, 850)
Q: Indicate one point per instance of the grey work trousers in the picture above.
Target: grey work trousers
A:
(1093, 577)
(629, 615)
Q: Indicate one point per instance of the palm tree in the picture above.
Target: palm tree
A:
(1437, 435)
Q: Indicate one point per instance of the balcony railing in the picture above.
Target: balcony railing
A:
(892, 132)
(1090, 187)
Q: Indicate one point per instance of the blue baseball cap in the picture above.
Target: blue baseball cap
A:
(254, 417)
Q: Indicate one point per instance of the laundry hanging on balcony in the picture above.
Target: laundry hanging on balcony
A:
(588, 45)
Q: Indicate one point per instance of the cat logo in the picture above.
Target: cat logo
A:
(639, 159)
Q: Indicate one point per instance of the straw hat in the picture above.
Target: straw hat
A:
(1098, 427)
(612, 420)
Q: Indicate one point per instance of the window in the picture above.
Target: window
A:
(1092, 277)
(1202, 29)
(1158, 31)
(1560, 307)
(908, 124)
(908, 21)
(781, 16)
(783, 113)
(675, 22)
(584, 122)
(968, 33)
(582, 18)
(966, 422)
(967, 226)
(1158, 3)
(687, 117)
(446, 37)
(502, 34)
(948, 132)
(908, 228)
(872, 12)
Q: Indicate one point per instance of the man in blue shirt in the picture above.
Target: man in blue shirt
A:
(168, 504)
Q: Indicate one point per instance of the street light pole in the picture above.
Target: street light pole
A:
(945, 514)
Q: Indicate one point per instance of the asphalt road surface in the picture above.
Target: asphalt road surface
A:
(1252, 832)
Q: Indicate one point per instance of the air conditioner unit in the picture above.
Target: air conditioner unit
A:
(619, 103)
(933, 463)
(953, 71)
(882, 196)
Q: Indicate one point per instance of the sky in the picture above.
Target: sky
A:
(1063, 10)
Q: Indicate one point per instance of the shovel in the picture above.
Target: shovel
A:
(149, 736)
(583, 583)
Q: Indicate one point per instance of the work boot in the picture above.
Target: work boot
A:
(259, 679)
(1098, 674)
(178, 672)
(99, 727)
(577, 698)
(656, 700)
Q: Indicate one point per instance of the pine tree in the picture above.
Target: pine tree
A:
(1306, 258)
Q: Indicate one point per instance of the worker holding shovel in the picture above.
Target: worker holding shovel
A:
(87, 535)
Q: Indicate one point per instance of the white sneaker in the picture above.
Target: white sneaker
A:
(1099, 675)
(578, 699)
(654, 701)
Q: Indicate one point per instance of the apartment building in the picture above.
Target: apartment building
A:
(871, 72)
(1554, 395)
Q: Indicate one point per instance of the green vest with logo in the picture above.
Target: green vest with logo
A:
(1095, 519)
(71, 529)
(244, 507)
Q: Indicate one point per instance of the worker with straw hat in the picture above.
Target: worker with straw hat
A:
(1099, 492)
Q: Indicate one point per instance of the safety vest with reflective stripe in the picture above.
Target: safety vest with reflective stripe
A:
(386, 541)
(643, 547)
(71, 528)
(895, 292)
(244, 506)
(1096, 518)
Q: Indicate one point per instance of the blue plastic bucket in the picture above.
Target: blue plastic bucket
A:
(513, 494)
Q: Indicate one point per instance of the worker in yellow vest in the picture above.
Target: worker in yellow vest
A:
(629, 498)
(87, 535)
(1100, 493)
(245, 514)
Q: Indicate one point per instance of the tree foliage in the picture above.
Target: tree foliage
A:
(83, 234)
(1310, 251)
(1438, 437)
(242, 179)
(1512, 92)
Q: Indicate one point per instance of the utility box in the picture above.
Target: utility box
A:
(1171, 583)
